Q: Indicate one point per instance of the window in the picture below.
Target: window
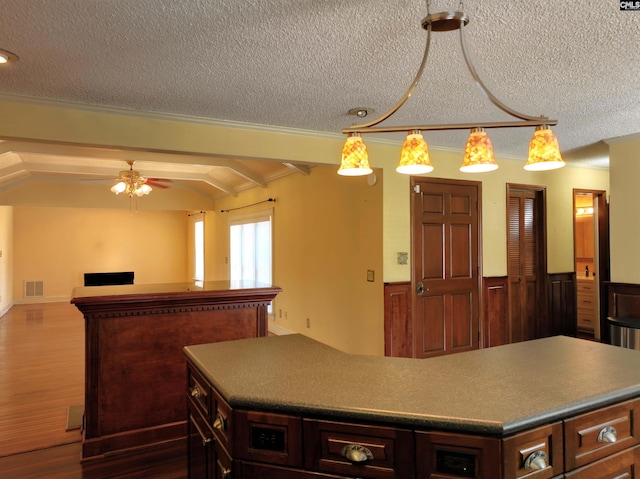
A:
(198, 247)
(250, 247)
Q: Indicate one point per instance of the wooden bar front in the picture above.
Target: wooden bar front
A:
(134, 366)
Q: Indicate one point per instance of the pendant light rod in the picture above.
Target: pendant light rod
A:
(540, 121)
(364, 126)
(447, 21)
(483, 88)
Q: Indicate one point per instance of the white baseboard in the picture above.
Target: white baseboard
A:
(4, 310)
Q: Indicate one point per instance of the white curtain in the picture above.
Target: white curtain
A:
(250, 248)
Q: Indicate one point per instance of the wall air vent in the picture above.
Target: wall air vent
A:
(34, 289)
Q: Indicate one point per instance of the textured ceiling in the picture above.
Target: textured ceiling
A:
(304, 63)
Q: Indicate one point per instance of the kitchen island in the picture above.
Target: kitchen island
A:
(539, 409)
(134, 367)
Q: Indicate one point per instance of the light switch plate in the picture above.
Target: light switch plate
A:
(370, 275)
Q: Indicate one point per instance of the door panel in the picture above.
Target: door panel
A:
(445, 238)
(525, 262)
(432, 338)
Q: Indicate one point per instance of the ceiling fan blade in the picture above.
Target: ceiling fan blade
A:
(159, 182)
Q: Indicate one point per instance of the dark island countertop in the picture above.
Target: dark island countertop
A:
(496, 391)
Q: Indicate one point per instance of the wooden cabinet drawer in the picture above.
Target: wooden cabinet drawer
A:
(267, 437)
(442, 455)
(623, 465)
(199, 390)
(586, 286)
(362, 451)
(252, 470)
(586, 438)
(535, 454)
(221, 419)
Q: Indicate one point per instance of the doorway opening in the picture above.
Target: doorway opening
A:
(591, 260)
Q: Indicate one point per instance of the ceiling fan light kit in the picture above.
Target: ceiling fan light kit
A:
(132, 183)
(544, 151)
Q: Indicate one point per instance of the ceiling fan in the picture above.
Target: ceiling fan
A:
(132, 183)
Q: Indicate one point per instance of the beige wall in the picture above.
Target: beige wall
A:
(323, 209)
(327, 233)
(6, 260)
(559, 186)
(625, 219)
(59, 245)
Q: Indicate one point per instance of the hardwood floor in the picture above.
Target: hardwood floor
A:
(41, 375)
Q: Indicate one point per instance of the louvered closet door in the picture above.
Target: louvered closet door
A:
(523, 268)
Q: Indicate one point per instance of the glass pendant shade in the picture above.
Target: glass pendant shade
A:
(544, 151)
(355, 159)
(414, 156)
(478, 154)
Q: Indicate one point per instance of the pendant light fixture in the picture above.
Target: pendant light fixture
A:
(544, 152)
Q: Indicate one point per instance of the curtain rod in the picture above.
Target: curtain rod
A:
(247, 206)
(198, 213)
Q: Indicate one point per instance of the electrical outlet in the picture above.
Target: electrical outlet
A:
(308, 323)
(279, 313)
(285, 315)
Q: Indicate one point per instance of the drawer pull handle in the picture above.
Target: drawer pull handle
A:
(220, 423)
(195, 392)
(225, 473)
(356, 453)
(608, 434)
(535, 461)
(205, 439)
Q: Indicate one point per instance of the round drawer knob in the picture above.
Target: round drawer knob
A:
(356, 453)
(608, 434)
(535, 461)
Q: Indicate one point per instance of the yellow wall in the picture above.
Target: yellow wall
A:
(327, 233)
(59, 245)
(559, 185)
(322, 218)
(6, 260)
(625, 199)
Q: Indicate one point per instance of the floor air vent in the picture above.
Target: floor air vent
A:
(33, 289)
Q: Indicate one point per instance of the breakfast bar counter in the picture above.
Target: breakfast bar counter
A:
(134, 366)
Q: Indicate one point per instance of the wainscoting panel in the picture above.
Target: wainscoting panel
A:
(496, 309)
(623, 301)
(562, 305)
(398, 324)
(495, 327)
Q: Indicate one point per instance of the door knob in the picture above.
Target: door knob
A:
(420, 289)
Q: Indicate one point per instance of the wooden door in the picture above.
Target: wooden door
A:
(446, 266)
(526, 263)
